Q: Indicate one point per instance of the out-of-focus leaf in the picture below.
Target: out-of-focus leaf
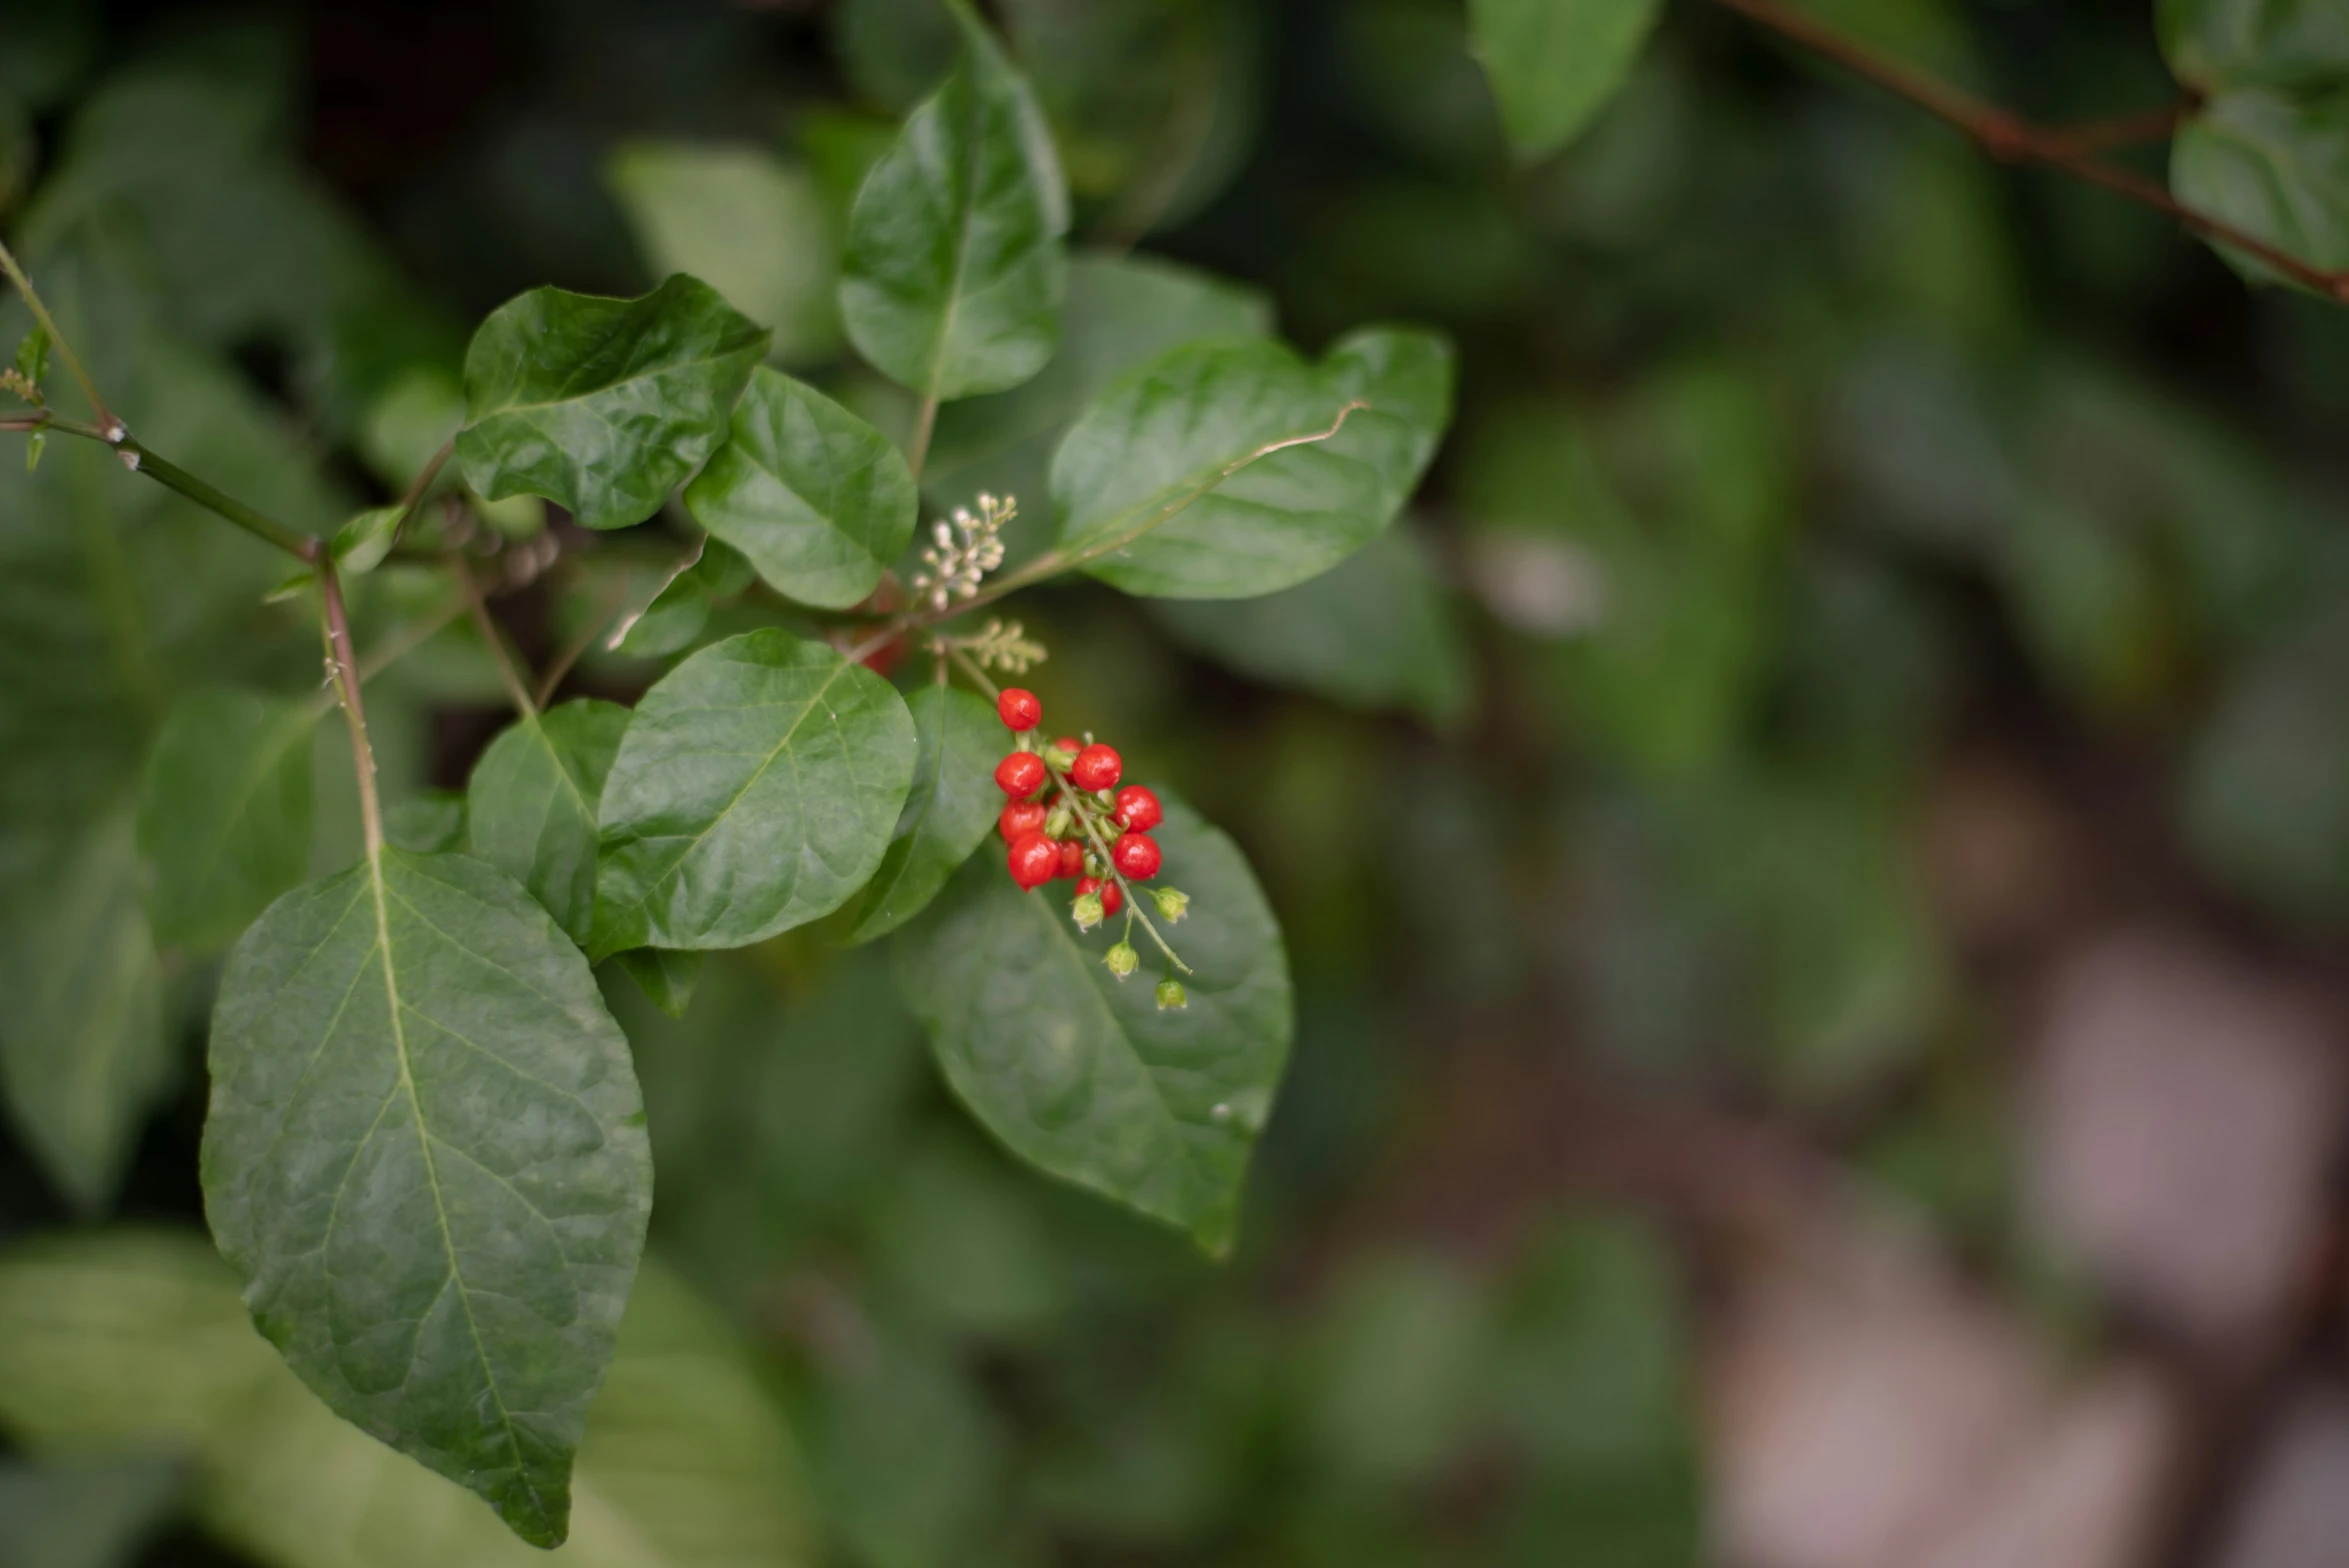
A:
(84, 1513)
(360, 545)
(224, 814)
(948, 810)
(1232, 469)
(1393, 1377)
(746, 223)
(666, 976)
(48, 48)
(2275, 167)
(420, 1027)
(952, 278)
(530, 808)
(911, 1465)
(407, 421)
(1375, 631)
(429, 823)
(1079, 1072)
(603, 405)
(755, 791)
(2265, 797)
(896, 51)
(818, 500)
(952, 1239)
(135, 1339)
(2218, 44)
(1555, 63)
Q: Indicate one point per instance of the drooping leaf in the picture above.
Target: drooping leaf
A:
(426, 1155)
(756, 790)
(2275, 166)
(953, 802)
(1227, 470)
(819, 501)
(2214, 45)
(83, 1050)
(952, 278)
(602, 405)
(1554, 64)
(136, 1339)
(530, 809)
(665, 975)
(680, 611)
(743, 221)
(1081, 1074)
(1375, 631)
(224, 814)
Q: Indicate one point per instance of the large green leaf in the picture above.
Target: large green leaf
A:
(755, 791)
(2213, 45)
(954, 269)
(136, 1339)
(224, 814)
(426, 1154)
(1080, 1073)
(1226, 470)
(83, 1051)
(602, 405)
(818, 500)
(1555, 63)
(953, 802)
(530, 809)
(2276, 167)
(1377, 631)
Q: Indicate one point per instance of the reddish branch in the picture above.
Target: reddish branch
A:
(2011, 139)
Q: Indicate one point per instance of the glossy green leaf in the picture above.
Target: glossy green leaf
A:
(679, 611)
(2214, 45)
(530, 809)
(952, 279)
(1376, 631)
(953, 802)
(755, 791)
(743, 221)
(2274, 166)
(426, 1155)
(136, 1339)
(83, 1049)
(665, 975)
(819, 501)
(1227, 470)
(1554, 64)
(1081, 1074)
(602, 405)
(224, 814)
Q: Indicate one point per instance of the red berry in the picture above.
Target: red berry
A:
(1113, 897)
(1035, 860)
(1135, 855)
(1019, 819)
(1096, 767)
(1019, 709)
(1020, 775)
(886, 657)
(1072, 858)
(1138, 810)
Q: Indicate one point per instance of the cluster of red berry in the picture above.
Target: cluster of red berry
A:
(1065, 837)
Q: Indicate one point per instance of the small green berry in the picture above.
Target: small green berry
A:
(1122, 959)
(1171, 996)
(1086, 911)
(1171, 903)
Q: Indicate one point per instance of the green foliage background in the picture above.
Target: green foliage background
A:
(1802, 456)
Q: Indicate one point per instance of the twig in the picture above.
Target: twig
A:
(110, 428)
(478, 607)
(2011, 139)
(576, 649)
(345, 664)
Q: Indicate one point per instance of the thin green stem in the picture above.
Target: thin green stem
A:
(577, 648)
(110, 427)
(423, 482)
(301, 546)
(508, 671)
(344, 662)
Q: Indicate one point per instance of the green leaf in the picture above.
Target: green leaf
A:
(954, 269)
(429, 823)
(755, 791)
(2274, 166)
(224, 814)
(680, 611)
(132, 1338)
(426, 1155)
(2213, 45)
(1227, 470)
(83, 1050)
(32, 356)
(952, 804)
(1377, 631)
(745, 222)
(1554, 64)
(819, 501)
(361, 544)
(665, 975)
(602, 405)
(530, 809)
(1079, 1073)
